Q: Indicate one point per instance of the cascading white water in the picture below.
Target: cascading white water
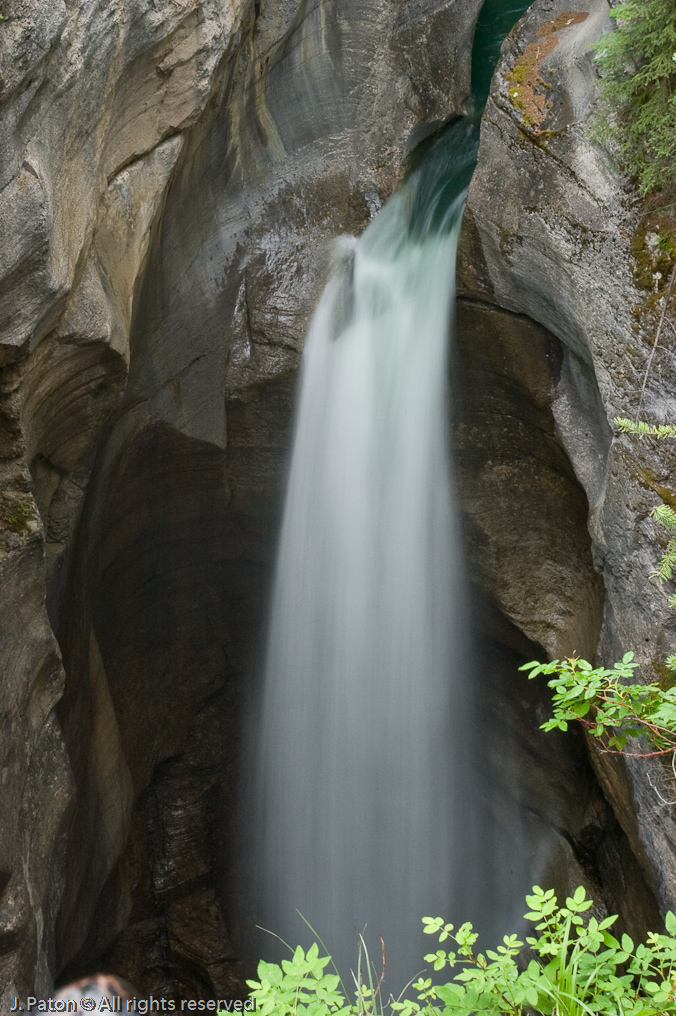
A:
(363, 800)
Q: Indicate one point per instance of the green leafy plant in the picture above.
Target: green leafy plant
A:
(664, 571)
(609, 705)
(641, 428)
(299, 985)
(638, 75)
(577, 968)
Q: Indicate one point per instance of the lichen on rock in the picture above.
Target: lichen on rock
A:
(526, 87)
(654, 247)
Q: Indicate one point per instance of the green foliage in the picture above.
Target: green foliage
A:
(298, 986)
(577, 968)
(608, 705)
(638, 70)
(642, 428)
(580, 968)
(664, 571)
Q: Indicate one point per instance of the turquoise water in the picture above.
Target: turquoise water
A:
(496, 20)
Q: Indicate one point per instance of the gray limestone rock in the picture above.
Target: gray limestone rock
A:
(553, 232)
(94, 102)
(172, 177)
(172, 180)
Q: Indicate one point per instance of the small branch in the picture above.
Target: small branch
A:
(637, 754)
(667, 298)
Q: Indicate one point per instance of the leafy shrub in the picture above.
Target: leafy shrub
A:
(298, 986)
(638, 70)
(578, 968)
(611, 709)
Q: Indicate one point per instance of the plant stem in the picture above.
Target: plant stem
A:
(667, 298)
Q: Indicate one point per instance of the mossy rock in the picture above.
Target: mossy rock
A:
(654, 250)
(525, 85)
(665, 677)
(16, 516)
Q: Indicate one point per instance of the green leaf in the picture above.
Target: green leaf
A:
(533, 665)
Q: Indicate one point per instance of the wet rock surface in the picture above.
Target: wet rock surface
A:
(550, 233)
(541, 789)
(94, 106)
(526, 511)
(172, 179)
(536, 594)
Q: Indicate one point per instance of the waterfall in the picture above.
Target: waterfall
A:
(364, 803)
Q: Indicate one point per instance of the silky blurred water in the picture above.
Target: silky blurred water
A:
(361, 784)
(366, 810)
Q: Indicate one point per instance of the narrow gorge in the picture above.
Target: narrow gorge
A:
(173, 180)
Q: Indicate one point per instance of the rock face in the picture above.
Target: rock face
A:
(552, 235)
(171, 178)
(171, 181)
(94, 106)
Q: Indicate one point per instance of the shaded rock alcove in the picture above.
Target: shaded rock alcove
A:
(550, 234)
(163, 520)
(537, 595)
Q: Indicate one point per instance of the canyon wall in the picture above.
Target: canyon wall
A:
(172, 178)
(554, 234)
(95, 104)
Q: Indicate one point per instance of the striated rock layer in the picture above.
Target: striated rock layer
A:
(171, 178)
(552, 233)
(94, 105)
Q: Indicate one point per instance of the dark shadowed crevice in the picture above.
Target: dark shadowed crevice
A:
(536, 594)
(160, 629)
